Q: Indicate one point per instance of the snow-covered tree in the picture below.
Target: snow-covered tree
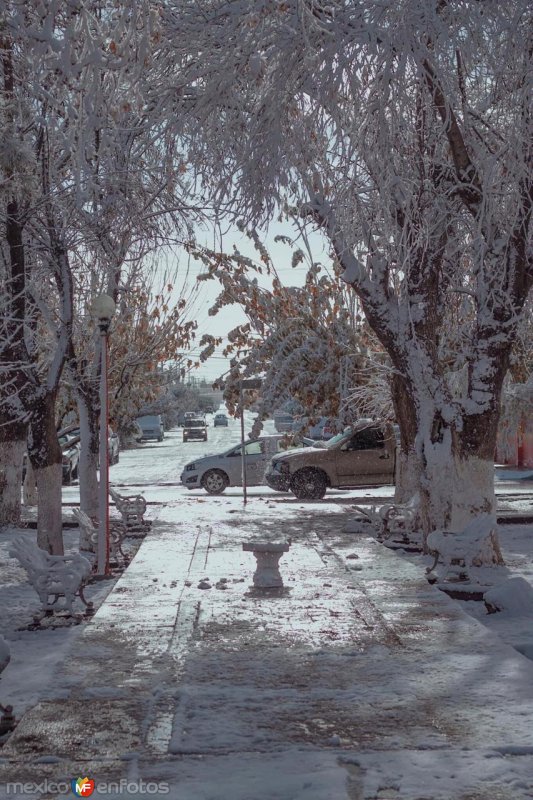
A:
(89, 177)
(35, 250)
(403, 131)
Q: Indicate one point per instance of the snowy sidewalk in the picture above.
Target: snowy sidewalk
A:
(359, 682)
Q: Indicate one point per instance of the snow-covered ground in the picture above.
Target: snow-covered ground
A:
(37, 655)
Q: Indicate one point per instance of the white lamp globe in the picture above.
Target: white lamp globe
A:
(103, 307)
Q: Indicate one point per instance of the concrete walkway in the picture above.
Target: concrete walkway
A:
(359, 681)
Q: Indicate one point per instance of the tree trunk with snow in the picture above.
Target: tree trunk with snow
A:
(89, 415)
(408, 461)
(29, 488)
(447, 463)
(12, 447)
(46, 458)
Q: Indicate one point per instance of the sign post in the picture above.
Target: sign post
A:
(246, 383)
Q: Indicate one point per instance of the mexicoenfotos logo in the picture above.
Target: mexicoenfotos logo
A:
(82, 787)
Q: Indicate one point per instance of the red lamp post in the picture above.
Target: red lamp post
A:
(103, 308)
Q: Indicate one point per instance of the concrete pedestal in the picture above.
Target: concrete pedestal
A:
(267, 554)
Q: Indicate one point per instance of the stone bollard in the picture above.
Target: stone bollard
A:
(267, 554)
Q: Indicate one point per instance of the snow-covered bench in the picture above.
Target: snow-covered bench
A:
(117, 531)
(391, 519)
(477, 545)
(53, 577)
(132, 508)
(399, 518)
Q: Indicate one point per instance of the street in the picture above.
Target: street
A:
(155, 468)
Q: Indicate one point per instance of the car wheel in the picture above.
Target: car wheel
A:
(215, 481)
(309, 484)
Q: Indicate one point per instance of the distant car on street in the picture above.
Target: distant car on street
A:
(195, 430)
(152, 427)
(220, 419)
(216, 472)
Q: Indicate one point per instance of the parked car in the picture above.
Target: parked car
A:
(70, 457)
(195, 430)
(113, 442)
(152, 427)
(216, 472)
(220, 419)
(364, 455)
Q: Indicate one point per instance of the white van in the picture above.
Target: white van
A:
(152, 427)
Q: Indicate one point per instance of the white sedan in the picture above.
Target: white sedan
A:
(215, 473)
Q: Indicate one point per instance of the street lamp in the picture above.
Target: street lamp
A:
(103, 309)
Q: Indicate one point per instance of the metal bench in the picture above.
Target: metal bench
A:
(391, 519)
(132, 509)
(53, 577)
(117, 531)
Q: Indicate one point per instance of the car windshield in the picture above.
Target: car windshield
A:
(340, 437)
(195, 423)
(313, 442)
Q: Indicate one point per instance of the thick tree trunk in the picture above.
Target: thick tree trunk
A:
(407, 476)
(49, 515)
(12, 447)
(45, 454)
(408, 465)
(454, 486)
(29, 488)
(452, 474)
(89, 419)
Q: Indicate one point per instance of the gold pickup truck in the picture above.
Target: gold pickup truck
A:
(364, 455)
